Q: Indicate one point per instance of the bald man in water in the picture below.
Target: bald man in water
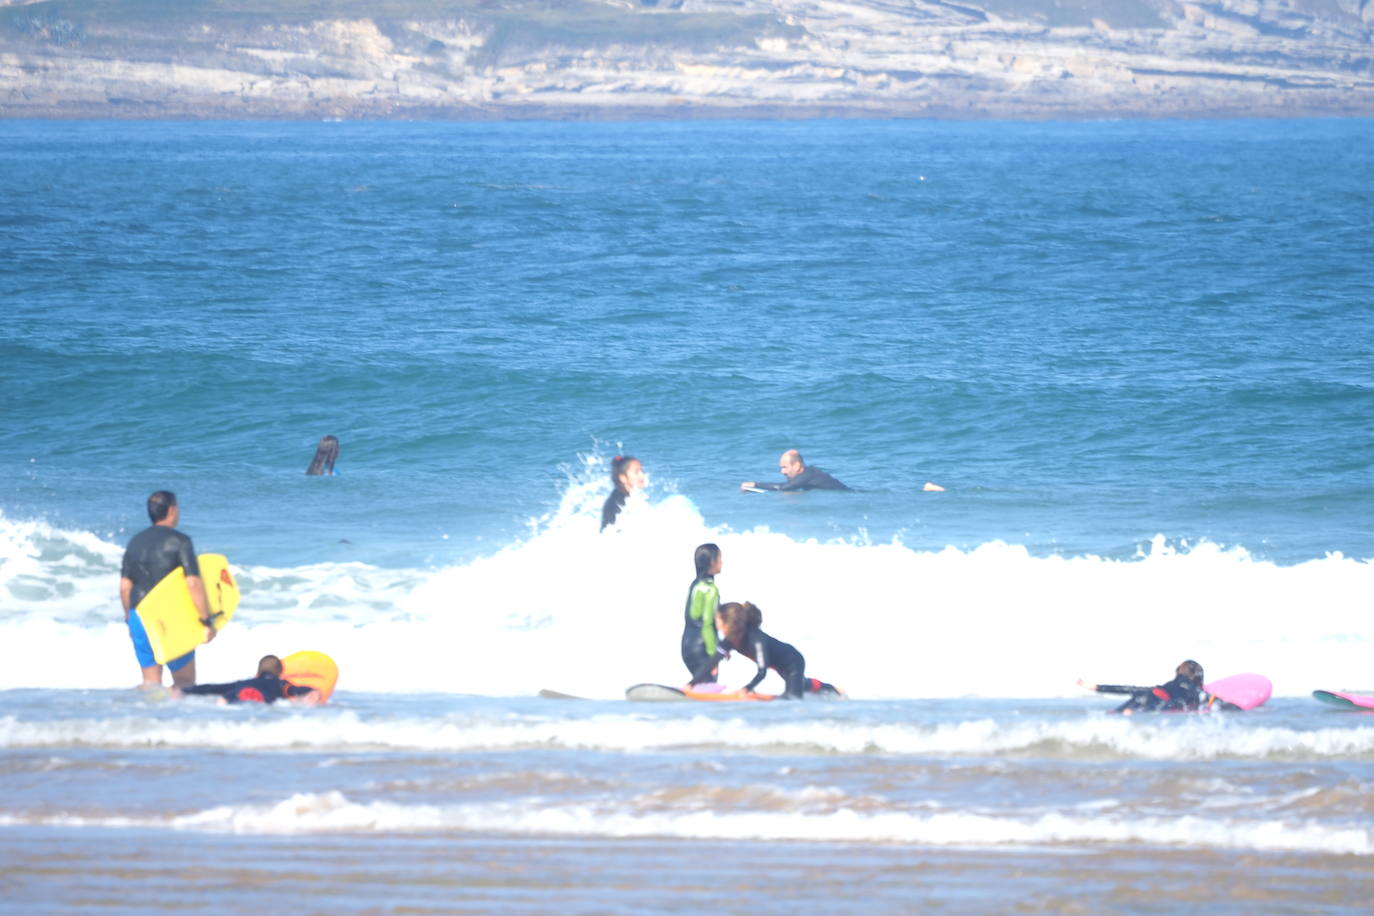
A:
(801, 476)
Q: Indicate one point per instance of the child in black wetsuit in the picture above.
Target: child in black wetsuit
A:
(267, 687)
(627, 475)
(739, 625)
(1183, 694)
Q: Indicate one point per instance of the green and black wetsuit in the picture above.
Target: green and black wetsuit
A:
(700, 652)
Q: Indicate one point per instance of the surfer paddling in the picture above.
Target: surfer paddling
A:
(152, 554)
(1182, 694)
(701, 651)
(266, 687)
(802, 476)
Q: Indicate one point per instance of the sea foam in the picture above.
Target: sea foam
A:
(334, 812)
(336, 730)
(590, 613)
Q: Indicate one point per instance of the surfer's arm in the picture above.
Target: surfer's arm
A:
(1119, 688)
(126, 592)
(761, 659)
(306, 696)
(220, 690)
(186, 557)
(197, 590)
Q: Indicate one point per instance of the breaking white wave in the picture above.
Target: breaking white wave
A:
(1089, 737)
(333, 812)
(586, 613)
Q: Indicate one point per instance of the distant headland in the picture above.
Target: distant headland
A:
(681, 59)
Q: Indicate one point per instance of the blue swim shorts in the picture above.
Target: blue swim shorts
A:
(144, 650)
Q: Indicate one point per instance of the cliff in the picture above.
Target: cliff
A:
(685, 58)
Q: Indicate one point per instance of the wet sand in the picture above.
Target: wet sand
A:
(62, 870)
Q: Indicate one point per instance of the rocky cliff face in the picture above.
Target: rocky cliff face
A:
(685, 58)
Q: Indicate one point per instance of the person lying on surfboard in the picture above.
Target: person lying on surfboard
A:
(800, 476)
(266, 687)
(701, 652)
(1182, 694)
(739, 627)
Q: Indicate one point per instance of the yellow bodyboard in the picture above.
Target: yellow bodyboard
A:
(311, 669)
(169, 615)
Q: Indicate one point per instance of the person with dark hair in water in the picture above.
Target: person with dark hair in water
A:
(325, 455)
(627, 475)
(266, 687)
(740, 629)
(700, 649)
(151, 555)
(1182, 694)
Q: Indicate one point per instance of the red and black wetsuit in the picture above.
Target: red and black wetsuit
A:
(1179, 695)
(265, 688)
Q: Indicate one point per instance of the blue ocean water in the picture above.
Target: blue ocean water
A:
(1138, 356)
(1090, 334)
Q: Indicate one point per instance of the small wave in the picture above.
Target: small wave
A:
(333, 812)
(1095, 738)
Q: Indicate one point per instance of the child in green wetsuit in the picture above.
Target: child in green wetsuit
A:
(701, 651)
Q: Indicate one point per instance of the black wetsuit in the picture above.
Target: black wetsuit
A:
(265, 688)
(614, 503)
(152, 554)
(782, 657)
(1180, 694)
(811, 478)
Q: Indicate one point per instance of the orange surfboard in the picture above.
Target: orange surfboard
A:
(660, 693)
(311, 669)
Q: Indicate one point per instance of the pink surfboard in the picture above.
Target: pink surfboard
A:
(1347, 700)
(1244, 690)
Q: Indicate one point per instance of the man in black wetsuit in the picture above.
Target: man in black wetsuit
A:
(267, 687)
(799, 476)
(150, 556)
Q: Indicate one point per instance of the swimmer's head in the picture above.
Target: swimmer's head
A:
(269, 664)
(161, 505)
(707, 559)
(1190, 670)
(790, 463)
(627, 473)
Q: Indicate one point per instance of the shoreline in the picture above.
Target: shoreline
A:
(71, 868)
